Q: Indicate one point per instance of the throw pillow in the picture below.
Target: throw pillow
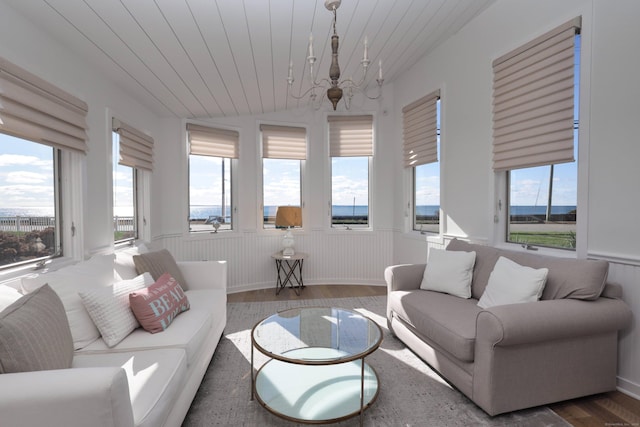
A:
(156, 306)
(8, 296)
(109, 308)
(67, 283)
(449, 271)
(35, 334)
(157, 263)
(512, 283)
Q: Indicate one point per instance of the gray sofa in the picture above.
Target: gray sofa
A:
(514, 356)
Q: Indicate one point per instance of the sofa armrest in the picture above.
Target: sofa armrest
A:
(549, 320)
(404, 277)
(204, 274)
(66, 397)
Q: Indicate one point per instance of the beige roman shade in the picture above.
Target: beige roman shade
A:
(284, 142)
(420, 131)
(533, 101)
(206, 141)
(136, 148)
(350, 136)
(33, 109)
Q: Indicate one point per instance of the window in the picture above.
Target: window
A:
(124, 198)
(284, 149)
(421, 134)
(351, 151)
(29, 211)
(134, 153)
(535, 137)
(37, 122)
(211, 152)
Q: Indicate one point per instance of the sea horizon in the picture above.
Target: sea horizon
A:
(205, 211)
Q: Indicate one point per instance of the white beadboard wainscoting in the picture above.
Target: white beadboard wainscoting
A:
(341, 257)
(627, 274)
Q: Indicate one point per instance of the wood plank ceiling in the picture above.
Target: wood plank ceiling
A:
(215, 58)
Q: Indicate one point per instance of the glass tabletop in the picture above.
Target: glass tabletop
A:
(337, 334)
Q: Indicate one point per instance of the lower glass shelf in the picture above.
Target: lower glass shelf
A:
(315, 393)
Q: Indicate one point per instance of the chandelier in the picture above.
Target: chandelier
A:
(335, 87)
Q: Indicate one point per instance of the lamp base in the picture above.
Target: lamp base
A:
(288, 252)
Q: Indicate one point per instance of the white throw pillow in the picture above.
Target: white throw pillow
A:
(67, 282)
(8, 296)
(449, 271)
(109, 308)
(512, 283)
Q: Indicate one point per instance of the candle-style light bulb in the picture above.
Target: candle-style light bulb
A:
(311, 45)
(366, 50)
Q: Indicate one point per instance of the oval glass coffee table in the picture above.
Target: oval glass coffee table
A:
(316, 373)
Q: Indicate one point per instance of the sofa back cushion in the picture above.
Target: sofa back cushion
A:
(567, 278)
(35, 334)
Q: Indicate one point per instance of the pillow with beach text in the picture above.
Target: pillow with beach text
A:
(155, 307)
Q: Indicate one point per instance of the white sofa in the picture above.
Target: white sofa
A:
(145, 380)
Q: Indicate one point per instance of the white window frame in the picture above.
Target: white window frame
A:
(500, 197)
(328, 223)
(259, 217)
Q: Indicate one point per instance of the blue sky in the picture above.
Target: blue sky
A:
(26, 173)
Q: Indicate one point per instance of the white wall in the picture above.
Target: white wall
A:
(28, 47)
(335, 256)
(610, 107)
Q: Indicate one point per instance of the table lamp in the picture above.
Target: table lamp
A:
(287, 217)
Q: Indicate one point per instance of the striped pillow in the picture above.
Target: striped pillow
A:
(35, 334)
(157, 263)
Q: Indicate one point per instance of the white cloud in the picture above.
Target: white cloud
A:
(25, 177)
(19, 160)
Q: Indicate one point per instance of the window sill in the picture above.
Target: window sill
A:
(541, 250)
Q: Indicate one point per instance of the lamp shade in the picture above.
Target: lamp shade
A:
(288, 216)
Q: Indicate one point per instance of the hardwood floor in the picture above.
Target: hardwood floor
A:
(603, 410)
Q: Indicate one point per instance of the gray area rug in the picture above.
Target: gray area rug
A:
(411, 393)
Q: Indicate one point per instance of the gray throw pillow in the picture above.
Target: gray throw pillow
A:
(157, 263)
(35, 334)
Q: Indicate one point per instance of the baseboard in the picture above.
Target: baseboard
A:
(272, 285)
(629, 388)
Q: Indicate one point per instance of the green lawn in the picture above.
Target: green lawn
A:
(562, 239)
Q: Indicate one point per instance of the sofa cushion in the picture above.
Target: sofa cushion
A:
(109, 308)
(567, 278)
(155, 307)
(188, 331)
(8, 296)
(155, 379)
(157, 263)
(448, 322)
(35, 334)
(67, 283)
(512, 283)
(449, 272)
(123, 267)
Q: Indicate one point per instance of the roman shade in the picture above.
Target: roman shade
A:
(206, 141)
(420, 131)
(350, 136)
(136, 148)
(284, 142)
(533, 101)
(33, 109)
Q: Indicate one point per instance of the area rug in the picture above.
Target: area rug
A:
(411, 393)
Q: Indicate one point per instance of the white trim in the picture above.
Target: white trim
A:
(615, 258)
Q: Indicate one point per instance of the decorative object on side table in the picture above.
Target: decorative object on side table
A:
(287, 217)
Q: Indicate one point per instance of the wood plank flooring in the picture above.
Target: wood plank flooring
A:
(601, 410)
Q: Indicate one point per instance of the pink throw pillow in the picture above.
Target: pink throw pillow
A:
(155, 307)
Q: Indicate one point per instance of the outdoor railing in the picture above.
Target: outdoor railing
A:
(38, 223)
